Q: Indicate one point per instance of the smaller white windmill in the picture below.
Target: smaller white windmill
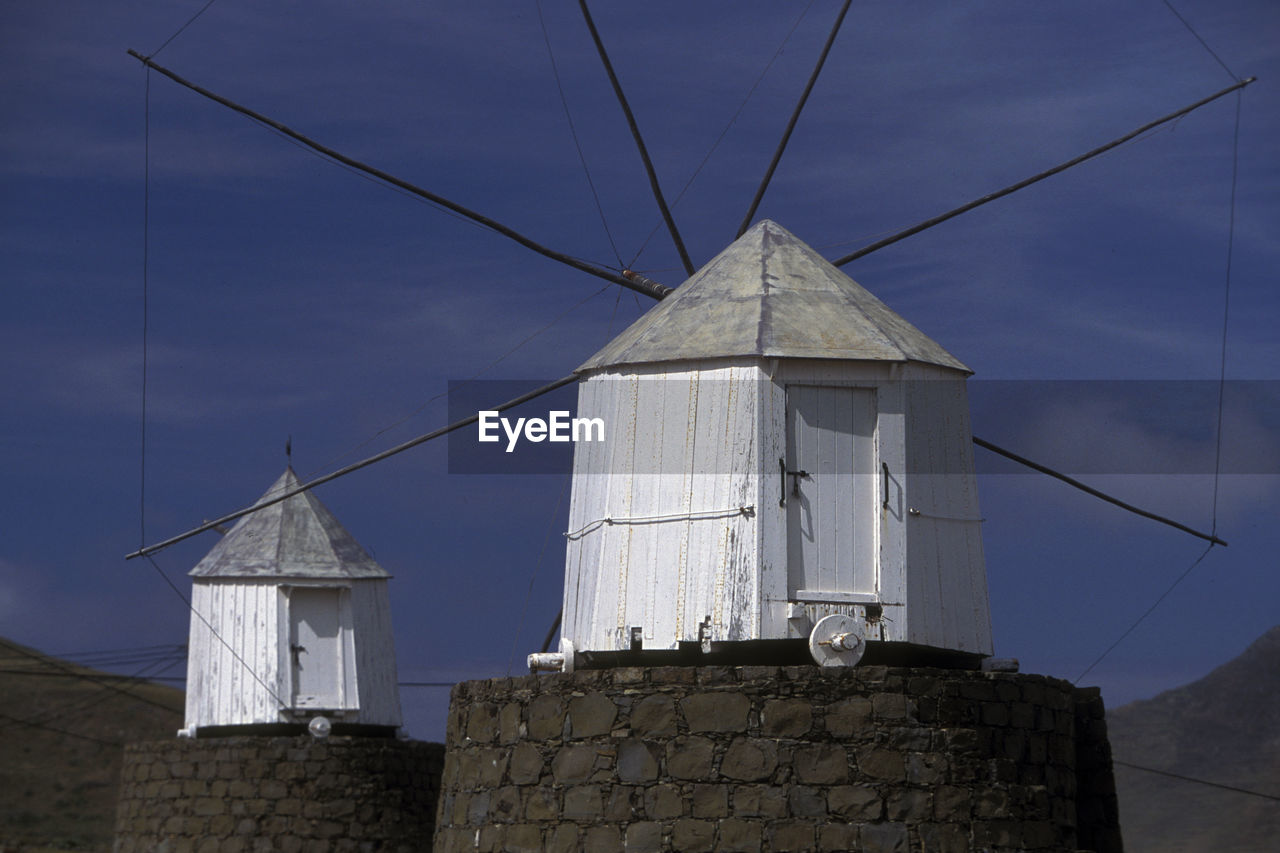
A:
(290, 626)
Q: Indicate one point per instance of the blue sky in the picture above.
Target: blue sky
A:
(287, 296)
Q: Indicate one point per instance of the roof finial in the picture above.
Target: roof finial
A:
(288, 450)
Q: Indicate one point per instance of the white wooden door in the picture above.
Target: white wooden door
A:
(830, 491)
(315, 645)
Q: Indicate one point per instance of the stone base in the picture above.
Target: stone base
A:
(278, 794)
(760, 758)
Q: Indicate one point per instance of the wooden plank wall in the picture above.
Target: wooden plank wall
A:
(946, 577)
(681, 446)
(222, 690)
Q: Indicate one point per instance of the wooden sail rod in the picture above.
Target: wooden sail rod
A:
(387, 177)
(1071, 481)
(791, 125)
(635, 134)
(355, 466)
(1012, 188)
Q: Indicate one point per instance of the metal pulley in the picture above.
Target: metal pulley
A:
(837, 640)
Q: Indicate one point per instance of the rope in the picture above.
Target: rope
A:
(279, 702)
(639, 140)
(1183, 778)
(1144, 615)
(33, 724)
(469, 379)
(189, 22)
(546, 539)
(1203, 43)
(795, 117)
(591, 526)
(1226, 306)
(573, 131)
(922, 514)
(146, 300)
(732, 120)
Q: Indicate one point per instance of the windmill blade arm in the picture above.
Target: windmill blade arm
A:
(354, 466)
(640, 146)
(1013, 188)
(400, 183)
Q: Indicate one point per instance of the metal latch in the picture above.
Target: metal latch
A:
(796, 477)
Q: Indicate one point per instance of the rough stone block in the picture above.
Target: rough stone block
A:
(693, 836)
(720, 711)
(749, 759)
(943, 838)
(710, 801)
(525, 764)
(890, 706)
(791, 836)
(838, 838)
(991, 803)
(821, 764)
(740, 836)
(759, 801)
(478, 808)
(951, 803)
(523, 838)
(509, 725)
(909, 805)
(654, 716)
(505, 805)
(848, 717)
(690, 757)
(563, 839)
(621, 804)
(602, 839)
(663, 802)
(803, 801)
(786, 717)
(573, 764)
(208, 806)
(546, 717)
(926, 768)
(583, 802)
(491, 766)
(644, 837)
(637, 761)
(855, 802)
(591, 715)
(882, 764)
(884, 838)
(223, 824)
(541, 804)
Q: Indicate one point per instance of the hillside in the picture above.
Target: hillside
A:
(62, 728)
(1224, 728)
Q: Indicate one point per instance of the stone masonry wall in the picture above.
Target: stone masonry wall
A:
(776, 759)
(288, 794)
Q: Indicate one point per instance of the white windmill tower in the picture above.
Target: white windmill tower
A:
(785, 458)
(290, 625)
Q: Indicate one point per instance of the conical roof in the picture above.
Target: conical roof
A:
(295, 538)
(770, 295)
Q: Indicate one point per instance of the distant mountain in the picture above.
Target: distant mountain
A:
(1224, 728)
(62, 731)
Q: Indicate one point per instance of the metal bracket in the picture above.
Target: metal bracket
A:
(704, 635)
